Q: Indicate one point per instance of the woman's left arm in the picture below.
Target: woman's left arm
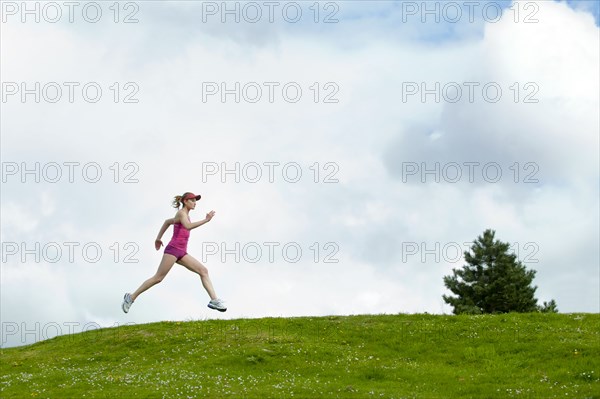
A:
(191, 226)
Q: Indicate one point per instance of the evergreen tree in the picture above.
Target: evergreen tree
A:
(549, 307)
(492, 281)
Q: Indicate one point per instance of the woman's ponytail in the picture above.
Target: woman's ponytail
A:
(177, 201)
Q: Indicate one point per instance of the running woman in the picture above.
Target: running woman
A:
(176, 252)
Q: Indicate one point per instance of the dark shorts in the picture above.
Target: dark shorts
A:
(176, 252)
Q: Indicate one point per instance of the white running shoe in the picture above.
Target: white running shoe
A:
(217, 304)
(127, 302)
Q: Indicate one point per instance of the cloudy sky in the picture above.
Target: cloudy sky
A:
(351, 150)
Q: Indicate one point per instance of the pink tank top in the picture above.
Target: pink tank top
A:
(180, 236)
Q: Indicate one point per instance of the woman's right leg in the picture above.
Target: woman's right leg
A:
(165, 266)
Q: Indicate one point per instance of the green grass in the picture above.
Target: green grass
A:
(383, 356)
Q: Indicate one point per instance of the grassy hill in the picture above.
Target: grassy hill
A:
(383, 356)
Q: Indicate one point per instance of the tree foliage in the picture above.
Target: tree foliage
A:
(492, 281)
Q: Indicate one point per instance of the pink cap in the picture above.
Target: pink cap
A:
(191, 195)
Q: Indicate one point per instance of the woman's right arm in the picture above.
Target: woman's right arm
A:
(158, 243)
